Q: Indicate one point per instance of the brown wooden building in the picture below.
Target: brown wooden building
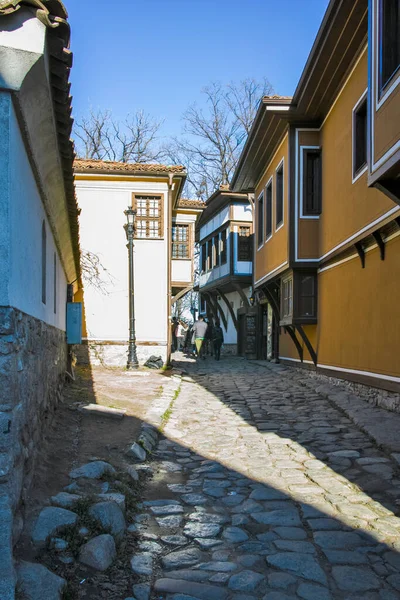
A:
(324, 168)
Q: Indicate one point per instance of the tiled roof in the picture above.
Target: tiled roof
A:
(92, 165)
(186, 203)
(275, 97)
(53, 15)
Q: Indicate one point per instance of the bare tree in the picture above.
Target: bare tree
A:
(214, 136)
(100, 136)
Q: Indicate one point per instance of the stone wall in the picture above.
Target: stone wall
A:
(115, 354)
(33, 361)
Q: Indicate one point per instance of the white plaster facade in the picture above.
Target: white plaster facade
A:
(22, 215)
(102, 221)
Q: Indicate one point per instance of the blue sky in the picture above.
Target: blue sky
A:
(156, 55)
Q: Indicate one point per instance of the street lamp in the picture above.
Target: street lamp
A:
(129, 230)
(252, 299)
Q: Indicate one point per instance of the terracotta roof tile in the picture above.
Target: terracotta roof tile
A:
(97, 166)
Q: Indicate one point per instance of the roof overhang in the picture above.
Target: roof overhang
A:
(342, 36)
(217, 202)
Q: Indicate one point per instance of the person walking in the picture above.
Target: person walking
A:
(181, 335)
(174, 331)
(199, 333)
(208, 342)
(218, 339)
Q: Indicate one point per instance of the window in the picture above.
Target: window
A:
(148, 223)
(279, 196)
(223, 252)
(244, 243)
(216, 250)
(268, 210)
(312, 182)
(287, 298)
(180, 241)
(389, 59)
(55, 282)
(260, 224)
(203, 306)
(44, 264)
(204, 258)
(307, 296)
(359, 137)
(209, 255)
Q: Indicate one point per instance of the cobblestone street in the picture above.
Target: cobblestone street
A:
(264, 489)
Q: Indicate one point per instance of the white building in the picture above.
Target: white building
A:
(39, 247)
(163, 254)
(225, 234)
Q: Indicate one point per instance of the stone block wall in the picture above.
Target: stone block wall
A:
(33, 361)
(115, 354)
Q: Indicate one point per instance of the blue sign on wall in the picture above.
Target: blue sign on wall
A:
(74, 322)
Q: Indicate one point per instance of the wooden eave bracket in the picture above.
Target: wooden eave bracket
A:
(295, 341)
(307, 342)
(397, 219)
(381, 244)
(229, 307)
(361, 253)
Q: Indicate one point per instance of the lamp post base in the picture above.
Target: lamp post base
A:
(133, 362)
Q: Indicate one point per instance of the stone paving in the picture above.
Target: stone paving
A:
(264, 489)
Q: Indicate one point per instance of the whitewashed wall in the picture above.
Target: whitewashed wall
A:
(22, 214)
(236, 302)
(101, 230)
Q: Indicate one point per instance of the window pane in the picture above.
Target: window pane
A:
(312, 182)
(223, 247)
(260, 229)
(244, 244)
(360, 136)
(390, 40)
(279, 196)
(268, 219)
(149, 209)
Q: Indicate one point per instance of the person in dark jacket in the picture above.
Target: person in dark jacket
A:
(218, 339)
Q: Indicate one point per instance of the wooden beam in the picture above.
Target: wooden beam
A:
(241, 293)
(182, 293)
(217, 309)
(307, 342)
(295, 341)
(228, 304)
(274, 304)
(381, 244)
(361, 253)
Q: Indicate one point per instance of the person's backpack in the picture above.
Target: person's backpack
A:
(218, 335)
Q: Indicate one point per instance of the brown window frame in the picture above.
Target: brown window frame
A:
(312, 185)
(178, 244)
(301, 294)
(244, 248)
(389, 42)
(148, 217)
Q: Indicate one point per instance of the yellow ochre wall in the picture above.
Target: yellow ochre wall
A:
(346, 207)
(308, 229)
(358, 313)
(274, 252)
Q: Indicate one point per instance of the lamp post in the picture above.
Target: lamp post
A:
(129, 230)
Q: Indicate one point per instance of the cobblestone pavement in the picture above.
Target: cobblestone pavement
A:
(264, 489)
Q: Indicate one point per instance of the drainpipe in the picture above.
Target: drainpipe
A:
(169, 266)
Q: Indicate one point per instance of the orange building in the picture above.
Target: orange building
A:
(323, 169)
